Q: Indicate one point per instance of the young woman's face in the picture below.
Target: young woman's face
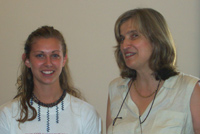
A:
(46, 61)
(135, 48)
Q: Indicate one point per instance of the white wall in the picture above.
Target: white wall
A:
(88, 29)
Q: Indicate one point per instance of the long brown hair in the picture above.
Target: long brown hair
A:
(25, 80)
(153, 26)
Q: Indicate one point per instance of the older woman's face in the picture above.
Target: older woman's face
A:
(135, 47)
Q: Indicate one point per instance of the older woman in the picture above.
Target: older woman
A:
(46, 101)
(151, 96)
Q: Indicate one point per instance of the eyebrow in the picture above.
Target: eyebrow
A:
(44, 52)
(130, 32)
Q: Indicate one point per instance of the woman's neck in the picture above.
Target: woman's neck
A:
(146, 81)
(47, 93)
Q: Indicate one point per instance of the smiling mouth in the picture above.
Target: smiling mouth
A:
(47, 72)
(129, 54)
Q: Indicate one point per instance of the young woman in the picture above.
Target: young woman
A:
(151, 96)
(46, 101)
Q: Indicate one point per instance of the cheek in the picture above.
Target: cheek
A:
(58, 63)
(149, 50)
(35, 64)
(121, 50)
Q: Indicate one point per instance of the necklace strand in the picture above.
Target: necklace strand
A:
(140, 93)
(151, 104)
(36, 100)
(149, 109)
(122, 105)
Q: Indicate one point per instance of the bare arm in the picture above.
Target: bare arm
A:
(108, 116)
(195, 108)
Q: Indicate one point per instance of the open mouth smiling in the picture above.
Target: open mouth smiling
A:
(47, 72)
(127, 55)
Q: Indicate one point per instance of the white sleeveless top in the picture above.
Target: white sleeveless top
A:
(170, 113)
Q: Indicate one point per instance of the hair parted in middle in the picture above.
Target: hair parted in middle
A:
(153, 26)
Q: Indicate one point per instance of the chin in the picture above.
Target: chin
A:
(130, 65)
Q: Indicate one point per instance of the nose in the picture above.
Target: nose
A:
(48, 62)
(126, 43)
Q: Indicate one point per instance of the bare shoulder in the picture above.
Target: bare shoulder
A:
(196, 93)
(195, 108)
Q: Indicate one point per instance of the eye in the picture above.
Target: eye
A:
(40, 55)
(121, 39)
(55, 56)
(133, 36)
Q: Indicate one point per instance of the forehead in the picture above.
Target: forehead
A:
(46, 44)
(127, 26)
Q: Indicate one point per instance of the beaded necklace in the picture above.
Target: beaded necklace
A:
(49, 105)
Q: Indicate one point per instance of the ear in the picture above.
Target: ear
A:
(64, 60)
(26, 60)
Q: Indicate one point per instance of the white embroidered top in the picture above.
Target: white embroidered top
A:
(78, 117)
